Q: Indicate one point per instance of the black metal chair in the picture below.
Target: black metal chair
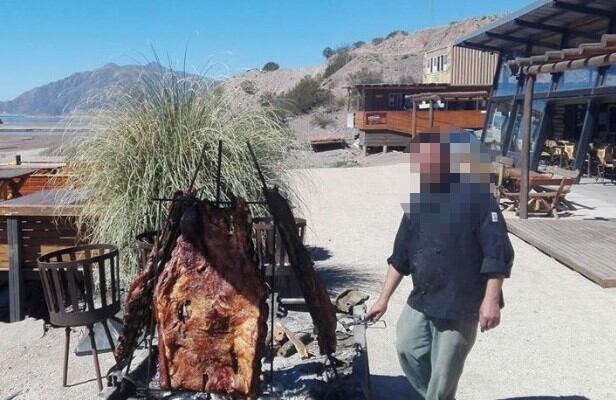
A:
(82, 287)
(144, 243)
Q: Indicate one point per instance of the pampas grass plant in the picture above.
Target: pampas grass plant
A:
(147, 144)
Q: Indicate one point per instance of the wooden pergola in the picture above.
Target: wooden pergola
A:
(586, 55)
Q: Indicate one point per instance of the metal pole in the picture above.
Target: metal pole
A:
(431, 115)
(526, 131)
(414, 118)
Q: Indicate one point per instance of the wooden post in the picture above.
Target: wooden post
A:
(414, 118)
(431, 115)
(525, 156)
(13, 231)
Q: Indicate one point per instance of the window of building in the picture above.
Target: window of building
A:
(610, 76)
(543, 83)
(577, 79)
(517, 133)
(395, 101)
(507, 84)
(497, 122)
(445, 62)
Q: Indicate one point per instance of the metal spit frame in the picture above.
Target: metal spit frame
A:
(271, 282)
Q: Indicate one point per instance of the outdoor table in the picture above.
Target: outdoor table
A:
(534, 178)
(13, 179)
(33, 227)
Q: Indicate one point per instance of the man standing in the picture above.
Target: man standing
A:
(453, 241)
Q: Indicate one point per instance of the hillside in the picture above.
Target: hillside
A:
(397, 58)
(81, 91)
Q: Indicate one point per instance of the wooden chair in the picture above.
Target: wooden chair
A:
(569, 155)
(605, 158)
(502, 163)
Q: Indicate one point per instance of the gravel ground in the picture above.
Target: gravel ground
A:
(558, 328)
(556, 340)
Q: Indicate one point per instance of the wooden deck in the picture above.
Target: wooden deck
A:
(586, 246)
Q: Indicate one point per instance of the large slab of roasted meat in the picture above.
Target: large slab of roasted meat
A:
(209, 304)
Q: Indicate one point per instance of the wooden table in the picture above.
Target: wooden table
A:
(33, 227)
(534, 178)
(11, 181)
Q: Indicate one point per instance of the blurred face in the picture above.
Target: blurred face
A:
(427, 162)
(445, 158)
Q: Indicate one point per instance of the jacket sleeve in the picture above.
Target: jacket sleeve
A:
(399, 258)
(495, 244)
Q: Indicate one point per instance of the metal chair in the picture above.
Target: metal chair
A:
(144, 243)
(605, 157)
(286, 281)
(82, 287)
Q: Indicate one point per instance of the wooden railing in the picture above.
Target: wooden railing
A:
(402, 121)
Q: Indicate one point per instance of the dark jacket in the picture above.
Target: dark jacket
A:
(450, 248)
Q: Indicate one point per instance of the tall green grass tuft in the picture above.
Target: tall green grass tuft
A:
(147, 144)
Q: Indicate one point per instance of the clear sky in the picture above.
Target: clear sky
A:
(46, 40)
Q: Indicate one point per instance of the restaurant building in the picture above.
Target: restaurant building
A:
(565, 51)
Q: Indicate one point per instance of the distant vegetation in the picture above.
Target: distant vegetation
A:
(306, 95)
(321, 119)
(358, 44)
(334, 63)
(377, 40)
(407, 80)
(365, 77)
(270, 66)
(328, 52)
(394, 33)
(249, 87)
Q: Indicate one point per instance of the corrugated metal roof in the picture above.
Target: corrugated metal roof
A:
(545, 25)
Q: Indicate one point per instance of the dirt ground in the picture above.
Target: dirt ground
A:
(556, 340)
(557, 335)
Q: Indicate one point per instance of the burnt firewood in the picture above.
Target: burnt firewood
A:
(297, 345)
(319, 305)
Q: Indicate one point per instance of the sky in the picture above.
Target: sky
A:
(44, 40)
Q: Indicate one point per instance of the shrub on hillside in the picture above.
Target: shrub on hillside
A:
(321, 119)
(407, 80)
(377, 40)
(336, 62)
(249, 87)
(270, 66)
(358, 44)
(396, 32)
(306, 95)
(365, 77)
(328, 52)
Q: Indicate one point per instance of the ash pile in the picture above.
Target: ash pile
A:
(209, 308)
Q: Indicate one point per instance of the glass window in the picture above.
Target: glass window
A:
(517, 134)
(576, 79)
(497, 122)
(610, 76)
(543, 83)
(507, 84)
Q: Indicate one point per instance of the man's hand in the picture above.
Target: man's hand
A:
(377, 310)
(489, 311)
(489, 314)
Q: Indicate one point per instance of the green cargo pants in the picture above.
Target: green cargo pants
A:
(432, 352)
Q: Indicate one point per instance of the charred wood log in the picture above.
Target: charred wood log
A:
(319, 305)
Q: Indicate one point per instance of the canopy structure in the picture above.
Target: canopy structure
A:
(585, 55)
(447, 96)
(545, 25)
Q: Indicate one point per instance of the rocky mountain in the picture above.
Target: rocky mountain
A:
(81, 91)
